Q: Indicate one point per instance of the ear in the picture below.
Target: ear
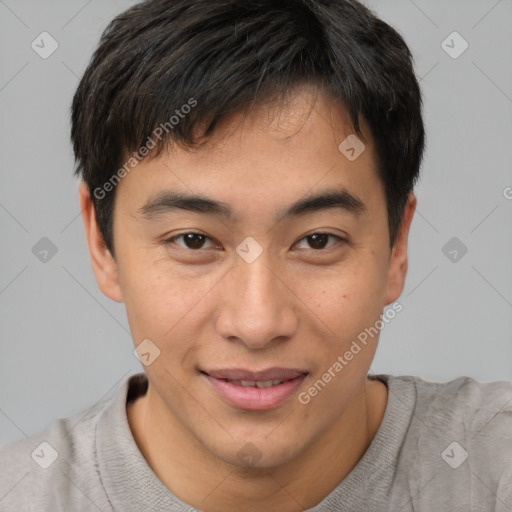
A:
(397, 270)
(103, 264)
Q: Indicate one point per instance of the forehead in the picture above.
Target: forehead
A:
(276, 151)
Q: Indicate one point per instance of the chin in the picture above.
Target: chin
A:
(258, 452)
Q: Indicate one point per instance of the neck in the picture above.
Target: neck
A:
(202, 480)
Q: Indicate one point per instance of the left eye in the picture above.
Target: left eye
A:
(319, 241)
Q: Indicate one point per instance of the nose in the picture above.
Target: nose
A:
(257, 306)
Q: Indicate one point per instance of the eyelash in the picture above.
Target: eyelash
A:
(171, 240)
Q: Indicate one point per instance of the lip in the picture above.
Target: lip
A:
(254, 398)
(274, 373)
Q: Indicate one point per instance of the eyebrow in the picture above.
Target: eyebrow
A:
(168, 201)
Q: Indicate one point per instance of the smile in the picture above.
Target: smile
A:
(253, 393)
(258, 383)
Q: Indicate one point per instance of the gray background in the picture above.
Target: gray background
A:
(64, 346)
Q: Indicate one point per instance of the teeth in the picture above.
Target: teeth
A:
(265, 383)
(259, 384)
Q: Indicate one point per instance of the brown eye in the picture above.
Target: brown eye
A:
(192, 241)
(319, 241)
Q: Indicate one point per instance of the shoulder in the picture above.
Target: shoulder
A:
(478, 414)
(54, 469)
(459, 442)
(464, 405)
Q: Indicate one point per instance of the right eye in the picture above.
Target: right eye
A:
(191, 240)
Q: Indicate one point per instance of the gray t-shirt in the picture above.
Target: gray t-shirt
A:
(440, 447)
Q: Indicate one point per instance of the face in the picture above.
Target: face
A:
(270, 277)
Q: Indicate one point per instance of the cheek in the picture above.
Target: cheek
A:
(347, 300)
(160, 302)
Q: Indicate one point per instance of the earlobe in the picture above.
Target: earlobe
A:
(397, 270)
(103, 264)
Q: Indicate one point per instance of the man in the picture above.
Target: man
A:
(247, 192)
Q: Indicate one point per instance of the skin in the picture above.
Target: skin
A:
(295, 306)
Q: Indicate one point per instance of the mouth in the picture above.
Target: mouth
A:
(255, 391)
